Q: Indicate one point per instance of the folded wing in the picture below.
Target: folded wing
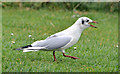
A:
(54, 42)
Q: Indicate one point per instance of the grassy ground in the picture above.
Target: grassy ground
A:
(0, 40)
(97, 48)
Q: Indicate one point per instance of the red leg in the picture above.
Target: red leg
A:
(54, 55)
(70, 56)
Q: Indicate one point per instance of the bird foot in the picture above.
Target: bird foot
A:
(54, 60)
(70, 56)
(74, 57)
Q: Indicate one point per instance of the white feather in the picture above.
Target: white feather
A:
(33, 49)
(29, 50)
(36, 48)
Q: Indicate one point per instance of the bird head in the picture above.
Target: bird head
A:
(85, 22)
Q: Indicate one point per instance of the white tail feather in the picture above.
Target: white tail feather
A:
(33, 49)
(29, 50)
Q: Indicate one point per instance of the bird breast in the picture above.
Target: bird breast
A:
(74, 40)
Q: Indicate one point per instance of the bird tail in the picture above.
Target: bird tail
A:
(33, 49)
(29, 48)
(21, 48)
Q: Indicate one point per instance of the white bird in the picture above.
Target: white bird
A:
(61, 40)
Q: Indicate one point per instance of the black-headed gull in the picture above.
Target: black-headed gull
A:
(61, 40)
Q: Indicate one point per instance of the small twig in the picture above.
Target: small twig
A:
(76, 6)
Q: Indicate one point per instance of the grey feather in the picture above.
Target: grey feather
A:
(54, 42)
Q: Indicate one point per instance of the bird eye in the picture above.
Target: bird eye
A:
(87, 21)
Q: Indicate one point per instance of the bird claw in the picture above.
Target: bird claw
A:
(75, 58)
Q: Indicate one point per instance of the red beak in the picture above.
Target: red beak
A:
(94, 22)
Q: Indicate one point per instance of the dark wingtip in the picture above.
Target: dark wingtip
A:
(17, 49)
(22, 47)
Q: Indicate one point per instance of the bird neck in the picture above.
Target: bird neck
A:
(77, 25)
(75, 29)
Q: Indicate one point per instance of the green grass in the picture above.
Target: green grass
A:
(0, 40)
(96, 48)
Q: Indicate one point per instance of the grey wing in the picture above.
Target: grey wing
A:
(54, 42)
(57, 42)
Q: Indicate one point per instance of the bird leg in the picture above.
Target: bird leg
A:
(70, 56)
(54, 55)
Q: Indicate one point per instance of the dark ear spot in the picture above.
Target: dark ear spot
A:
(82, 21)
